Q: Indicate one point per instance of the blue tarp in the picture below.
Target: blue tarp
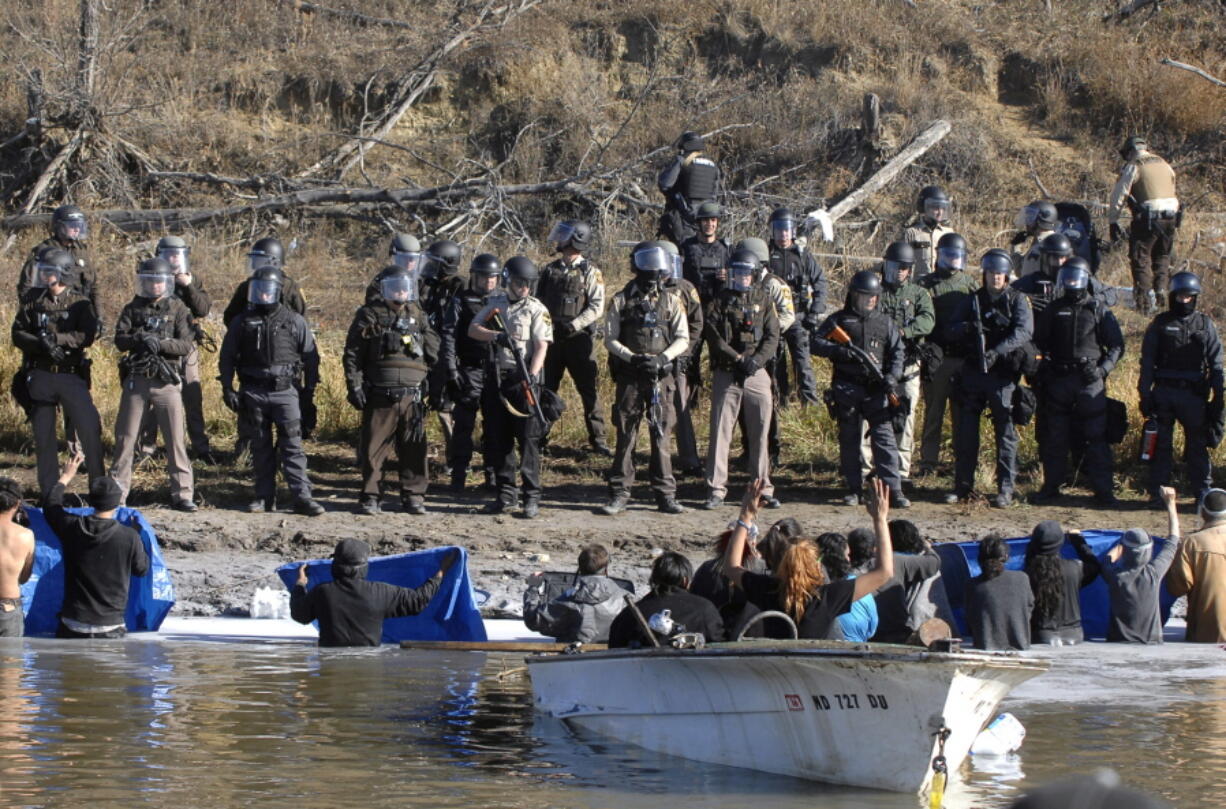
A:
(960, 564)
(451, 615)
(150, 597)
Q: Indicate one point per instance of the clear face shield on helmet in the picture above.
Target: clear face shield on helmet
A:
(783, 231)
(409, 262)
(264, 292)
(894, 273)
(741, 276)
(1026, 217)
(653, 263)
(936, 210)
(863, 302)
(399, 287)
(560, 235)
(48, 275)
(177, 258)
(952, 258)
(153, 285)
(73, 229)
(678, 264)
(1052, 262)
(258, 260)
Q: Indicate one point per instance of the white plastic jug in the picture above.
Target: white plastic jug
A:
(1002, 736)
(269, 603)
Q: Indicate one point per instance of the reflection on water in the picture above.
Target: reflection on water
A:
(197, 724)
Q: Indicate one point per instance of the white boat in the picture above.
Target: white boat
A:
(829, 711)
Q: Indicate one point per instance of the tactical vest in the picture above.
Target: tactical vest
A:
(268, 348)
(644, 322)
(153, 317)
(697, 180)
(434, 297)
(997, 315)
(54, 315)
(897, 306)
(741, 318)
(471, 353)
(1154, 180)
(1040, 289)
(395, 346)
(702, 260)
(1182, 346)
(870, 333)
(1073, 333)
(563, 290)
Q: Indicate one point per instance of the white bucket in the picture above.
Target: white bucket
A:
(1002, 736)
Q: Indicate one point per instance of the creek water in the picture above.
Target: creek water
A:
(196, 724)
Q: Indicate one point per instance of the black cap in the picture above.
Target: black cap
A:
(104, 493)
(351, 552)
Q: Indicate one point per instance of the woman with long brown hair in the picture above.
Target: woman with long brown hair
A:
(797, 585)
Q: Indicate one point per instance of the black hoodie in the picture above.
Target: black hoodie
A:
(350, 609)
(100, 557)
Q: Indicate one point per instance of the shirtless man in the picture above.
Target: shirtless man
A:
(16, 561)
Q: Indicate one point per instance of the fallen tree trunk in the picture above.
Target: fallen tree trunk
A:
(1193, 69)
(912, 152)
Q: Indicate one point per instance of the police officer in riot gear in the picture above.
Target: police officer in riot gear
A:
(1037, 221)
(866, 348)
(741, 328)
(155, 331)
(404, 253)
(910, 307)
(70, 233)
(705, 254)
(1147, 186)
(268, 346)
(517, 321)
(804, 276)
(997, 323)
(465, 360)
(572, 289)
(266, 252)
(440, 281)
(1042, 286)
(389, 350)
(646, 331)
(949, 287)
(188, 289)
(688, 459)
(780, 295)
(53, 327)
(1181, 365)
(688, 181)
(925, 233)
(1080, 342)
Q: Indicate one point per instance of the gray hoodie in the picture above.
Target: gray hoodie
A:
(1133, 583)
(583, 613)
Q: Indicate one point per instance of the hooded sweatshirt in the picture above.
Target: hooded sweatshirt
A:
(582, 614)
(1133, 583)
(1065, 622)
(350, 609)
(100, 557)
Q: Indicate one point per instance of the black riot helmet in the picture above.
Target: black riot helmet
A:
(690, 141)
(405, 252)
(899, 257)
(570, 233)
(68, 224)
(783, 225)
(264, 288)
(951, 253)
(1038, 215)
(1054, 251)
(864, 288)
(176, 252)
(267, 252)
(398, 285)
(519, 268)
(709, 210)
(1183, 283)
(997, 262)
(933, 204)
(443, 259)
(743, 269)
(483, 267)
(154, 278)
(1074, 278)
(651, 262)
(1133, 143)
(54, 265)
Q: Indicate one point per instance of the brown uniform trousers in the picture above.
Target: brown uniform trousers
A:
(633, 402)
(193, 409)
(166, 402)
(388, 426)
(70, 392)
(728, 400)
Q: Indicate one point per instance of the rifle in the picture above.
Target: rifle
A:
(655, 409)
(498, 324)
(983, 340)
(837, 335)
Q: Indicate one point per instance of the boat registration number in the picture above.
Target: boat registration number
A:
(850, 702)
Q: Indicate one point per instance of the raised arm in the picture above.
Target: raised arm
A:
(878, 506)
(734, 554)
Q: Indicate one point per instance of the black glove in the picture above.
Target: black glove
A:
(151, 344)
(1019, 237)
(503, 339)
(47, 343)
(845, 354)
(748, 366)
(357, 398)
(642, 362)
(230, 397)
(563, 330)
(1117, 232)
(1147, 405)
(811, 322)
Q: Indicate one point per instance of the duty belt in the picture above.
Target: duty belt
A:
(411, 392)
(56, 368)
(1065, 367)
(1182, 384)
(278, 383)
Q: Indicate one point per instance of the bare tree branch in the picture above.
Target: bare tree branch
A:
(345, 14)
(1196, 70)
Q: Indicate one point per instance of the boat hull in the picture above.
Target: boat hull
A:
(840, 715)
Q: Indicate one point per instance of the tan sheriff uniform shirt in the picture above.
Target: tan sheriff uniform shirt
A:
(924, 239)
(781, 295)
(1149, 181)
(677, 325)
(593, 285)
(527, 321)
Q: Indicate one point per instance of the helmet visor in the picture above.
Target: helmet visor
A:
(783, 230)
(399, 288)
(953, 258)
(177, 258)
(258, 260)
(264, 291)
(653, 260)
(892, 272)
(678, 264)
(72, 229)
(863, 302)
(936, 209)
(408, 261)
(740, 276)
(152, 285)
(561, 234)
(48, 274)
(1026, 217)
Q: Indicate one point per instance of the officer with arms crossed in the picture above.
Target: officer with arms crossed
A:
(389, 351)
(867, 351)
(522, 321)
(52, 329)
(1081, 343)
(572, 289)
(1181, 365)
(465, 360)
(996, 320)
(645, 331)
(268, 346)
(1147, 184)
(688, 181)
(925, 233)
(742, 333)
(801, 272)
(155, 332)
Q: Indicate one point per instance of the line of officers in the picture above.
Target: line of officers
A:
(500, 343)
